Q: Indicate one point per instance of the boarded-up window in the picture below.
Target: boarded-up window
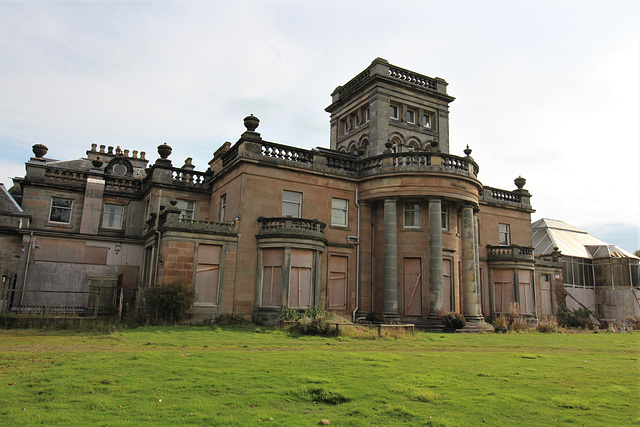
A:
(503, 290)
(446, 284)
(545, 294)
(526, 292)
(208, 274)
(272, 264)
(95, 255)
(300, 280)
(412, 287)
(337, 289)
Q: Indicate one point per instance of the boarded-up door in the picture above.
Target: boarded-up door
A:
(446, 283)
(545, 294)
(208, 274)
(526, 291)
(337, 289)
(412, 287)
(272, 264)
(503, 290)
(300, 281)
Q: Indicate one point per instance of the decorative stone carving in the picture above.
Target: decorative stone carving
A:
(251, 123)
(519, 182)
(39, 150)
(164, 150)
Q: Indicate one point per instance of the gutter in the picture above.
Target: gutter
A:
(357, 243)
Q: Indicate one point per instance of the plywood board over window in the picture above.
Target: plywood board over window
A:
(545, 294)
(300, 278)
(272, 265)
(337, 287)
(503, 290)
(412, 287)
(208, 274)
(526, 291)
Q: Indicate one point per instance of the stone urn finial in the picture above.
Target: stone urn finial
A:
(251, 123)
(39, 150)
(467, 151)
(164, 150)
(519, 182)
(97, 163)
(188, 164)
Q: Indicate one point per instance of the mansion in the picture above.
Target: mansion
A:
(384, 221)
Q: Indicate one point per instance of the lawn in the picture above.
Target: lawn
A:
(248, 375)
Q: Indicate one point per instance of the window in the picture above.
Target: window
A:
(411, 214)
(112, 216)
(337, 286)
(186, 209)
(223, 207)
(339, 212)
(393, 111)
(207, 274)
(503, 290)
(410, 116)
(291, 204)
(60, 210)
(426, 121)
(503, 235)
(444, 212)
(272, 271)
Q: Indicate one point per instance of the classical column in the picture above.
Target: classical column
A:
(470, 295)
(436, 287)
(390, 265)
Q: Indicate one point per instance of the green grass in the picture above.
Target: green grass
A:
(247, 375)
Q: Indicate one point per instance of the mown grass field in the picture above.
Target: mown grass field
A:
(248, 375)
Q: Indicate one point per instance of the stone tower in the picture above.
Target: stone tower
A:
(388, 107)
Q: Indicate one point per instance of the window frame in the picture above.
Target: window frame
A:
(394, 112)
(61, 208)
(112, 215)
(506, 232)
(291, 202)
(344, 211)
(410, 116)
(429, 121)
(223, 207)
(184, 211)
(444, 216)
(416, 214)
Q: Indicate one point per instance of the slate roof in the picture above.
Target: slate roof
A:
(8, 204)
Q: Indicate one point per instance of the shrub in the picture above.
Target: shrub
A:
(315, 321)
(376, 318)
(173, 301)
(576, 318)
(548, 324)
(500, 322)
(289, 314)
(453, 320)
(635, 323)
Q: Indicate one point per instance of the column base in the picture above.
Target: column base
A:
(476, 324)
(391, 317)
(433, 323)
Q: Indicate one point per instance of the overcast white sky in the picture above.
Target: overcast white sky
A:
(546, 89)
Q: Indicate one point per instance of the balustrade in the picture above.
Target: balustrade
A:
(286, 153)
(411, 77)
(512, 252)
(312, 227)
(189, 177)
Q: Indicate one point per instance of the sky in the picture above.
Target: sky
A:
(544, 89)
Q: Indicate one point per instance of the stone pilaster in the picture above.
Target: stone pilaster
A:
(436, 286)
(390, 275)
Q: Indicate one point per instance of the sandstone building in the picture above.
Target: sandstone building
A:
(386, 220)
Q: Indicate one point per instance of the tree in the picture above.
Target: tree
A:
(637, 253)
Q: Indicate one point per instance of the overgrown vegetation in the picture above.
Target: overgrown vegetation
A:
(315, 321)
(576, 318)
(173, 301)
(453, 320)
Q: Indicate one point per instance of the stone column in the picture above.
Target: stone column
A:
(390, 275)
(436, 287)
(470, 296)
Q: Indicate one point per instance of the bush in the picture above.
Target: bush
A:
(576, 318)
(289, 314)
(548, 324)
(635, 322)
(173, 301)
(453, 320)
(315, 321)
(227, 319)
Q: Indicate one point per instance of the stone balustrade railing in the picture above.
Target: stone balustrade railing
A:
(189, 177)
(65, 175)
(510, 253)
(285, 152)
(291, 226)
(411, 77)
(119, 184)
(171, 220)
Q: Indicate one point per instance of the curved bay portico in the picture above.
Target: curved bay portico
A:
(424, 260)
